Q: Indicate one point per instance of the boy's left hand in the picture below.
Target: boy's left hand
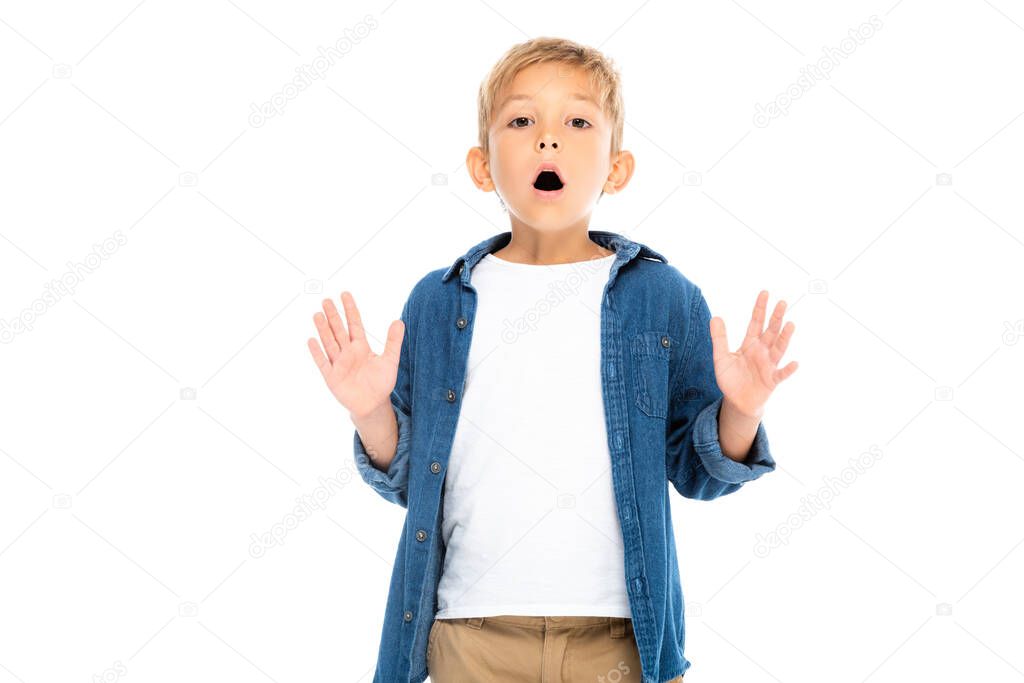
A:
(748, 376)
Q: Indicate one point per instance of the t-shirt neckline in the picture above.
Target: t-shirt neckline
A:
(513, 264)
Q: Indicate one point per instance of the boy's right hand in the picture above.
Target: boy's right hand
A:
(361, 380)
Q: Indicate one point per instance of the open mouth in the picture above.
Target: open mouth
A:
(548, 181)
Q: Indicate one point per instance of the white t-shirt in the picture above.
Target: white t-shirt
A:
(529, 518)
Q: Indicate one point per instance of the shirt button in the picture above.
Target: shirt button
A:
(408, 615)
(460, 323)
(435, 467)
(461, 266)
(665, 342)
(451, 395)
(421, 535)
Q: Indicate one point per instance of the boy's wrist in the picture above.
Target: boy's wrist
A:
(741, 415)
(379, 413)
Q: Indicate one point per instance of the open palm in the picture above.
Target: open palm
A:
(359, 378)
(748, 376)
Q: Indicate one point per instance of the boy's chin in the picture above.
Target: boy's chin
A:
(540, 203)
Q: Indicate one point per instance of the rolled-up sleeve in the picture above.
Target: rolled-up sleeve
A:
(718, 464)
(694, 462)
(393, 485)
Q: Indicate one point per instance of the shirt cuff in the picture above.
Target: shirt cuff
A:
(396, 479)
(720, 466)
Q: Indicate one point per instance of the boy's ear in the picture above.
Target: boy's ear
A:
(621, 171)
(479, 169)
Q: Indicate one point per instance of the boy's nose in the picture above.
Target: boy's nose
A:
(544, 143)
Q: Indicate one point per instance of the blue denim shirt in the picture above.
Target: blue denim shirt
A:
(661, 405)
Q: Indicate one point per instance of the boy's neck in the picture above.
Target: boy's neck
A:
(541, 247)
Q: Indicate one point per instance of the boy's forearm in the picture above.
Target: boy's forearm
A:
(736, 431)
(378, 431)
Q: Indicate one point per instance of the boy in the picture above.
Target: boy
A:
(552, 382)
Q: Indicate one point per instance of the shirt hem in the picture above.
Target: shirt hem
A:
(562, 610)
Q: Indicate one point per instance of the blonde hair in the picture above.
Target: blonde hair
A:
(603, 78)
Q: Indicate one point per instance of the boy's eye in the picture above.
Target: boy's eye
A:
(513, 122)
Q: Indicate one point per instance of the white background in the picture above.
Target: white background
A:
(128, 506)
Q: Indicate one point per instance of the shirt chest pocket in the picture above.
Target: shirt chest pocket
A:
(650, 351)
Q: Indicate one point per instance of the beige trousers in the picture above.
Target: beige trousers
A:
(533, 649)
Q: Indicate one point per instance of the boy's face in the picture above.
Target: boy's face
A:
(549, 123)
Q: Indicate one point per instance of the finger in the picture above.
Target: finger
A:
(337, 324)
(719, 340)
(322, 363)
(355, 323)
(756, 319)
(326, 336)
(775, 324)
(393, 344)
(785, 372)
(780, 345)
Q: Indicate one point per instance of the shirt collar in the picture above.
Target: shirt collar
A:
(624, 248)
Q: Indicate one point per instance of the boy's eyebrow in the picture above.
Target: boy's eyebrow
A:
(573, 96)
